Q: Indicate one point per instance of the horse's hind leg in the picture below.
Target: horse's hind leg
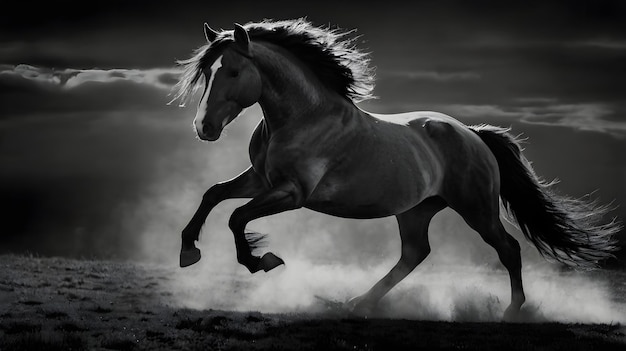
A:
(413, 225)
(484, 218)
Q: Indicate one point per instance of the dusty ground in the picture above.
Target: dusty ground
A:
(62, 304)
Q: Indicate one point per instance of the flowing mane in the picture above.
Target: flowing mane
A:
(333, 58)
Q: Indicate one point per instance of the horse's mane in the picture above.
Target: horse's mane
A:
(333, 58)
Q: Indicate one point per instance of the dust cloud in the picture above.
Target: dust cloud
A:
(446, 293)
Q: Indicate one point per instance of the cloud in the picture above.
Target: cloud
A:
(608, 44)
(26, 89)
(582, 116)
(438, 76)
(480, 111)
(587, 117)
(37, 74)
(153, 77)
(162, 78)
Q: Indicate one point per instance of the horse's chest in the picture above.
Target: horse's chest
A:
(288, 158)
(307, 170)
(258, 162)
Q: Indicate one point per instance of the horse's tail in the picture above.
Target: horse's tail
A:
(562, 228)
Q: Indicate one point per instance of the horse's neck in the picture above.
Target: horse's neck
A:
(291, 92)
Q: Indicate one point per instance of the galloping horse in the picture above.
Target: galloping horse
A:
(315, 148)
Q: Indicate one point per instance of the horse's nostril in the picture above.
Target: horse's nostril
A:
(205, 130)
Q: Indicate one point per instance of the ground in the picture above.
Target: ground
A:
(64, 304)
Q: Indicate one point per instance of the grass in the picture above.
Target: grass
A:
(18, 327)
(132, 311)
(122, 344)
(37, 341)
(70, 327)
(55, 314)
(100, 309)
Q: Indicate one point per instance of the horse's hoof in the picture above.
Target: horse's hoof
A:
(359, 307)
(511, 315)
(189, 257)
(270, 261)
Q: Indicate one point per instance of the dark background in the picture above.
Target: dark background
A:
(94, 163)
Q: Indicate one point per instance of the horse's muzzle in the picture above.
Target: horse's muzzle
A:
(208, 134)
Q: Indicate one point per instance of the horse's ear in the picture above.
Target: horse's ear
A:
(242, 40)
(209, 33)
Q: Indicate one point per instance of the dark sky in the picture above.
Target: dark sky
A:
(94, 163)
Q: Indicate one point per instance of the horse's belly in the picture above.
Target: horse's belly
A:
(361, 207)
(350, 211)
(366, 195)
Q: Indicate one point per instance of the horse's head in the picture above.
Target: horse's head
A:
(232, 83)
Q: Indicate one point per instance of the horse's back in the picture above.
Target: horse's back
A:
(436, 125)
(448, 136)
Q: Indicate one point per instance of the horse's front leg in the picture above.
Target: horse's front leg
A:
(282, 197)
(246, 185)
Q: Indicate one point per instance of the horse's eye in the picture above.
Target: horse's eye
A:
(234, 73)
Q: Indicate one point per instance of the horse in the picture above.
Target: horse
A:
(315, 148)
